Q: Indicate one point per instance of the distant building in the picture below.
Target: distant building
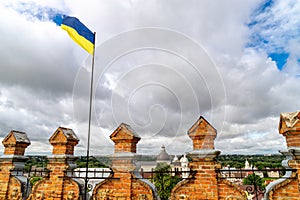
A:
(247, 166)
(236, 176)
(273, 174)
(185, 167)
(163, 156)
(178, 166)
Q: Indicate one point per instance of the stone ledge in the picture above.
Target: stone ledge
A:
(204, 153)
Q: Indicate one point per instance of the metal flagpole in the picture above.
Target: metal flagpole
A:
(90, 119)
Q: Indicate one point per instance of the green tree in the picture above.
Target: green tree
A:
(163, 180)
(93, 162)
(33, 180)
(253, 179)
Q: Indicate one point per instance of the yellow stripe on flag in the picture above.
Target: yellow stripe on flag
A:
(82, 41)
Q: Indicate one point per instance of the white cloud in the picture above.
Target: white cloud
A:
(43, 84)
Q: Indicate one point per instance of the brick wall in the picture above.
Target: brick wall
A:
(203, 183)
(229, 191)
(15, 144)
(289, 127)
(286, 190)
(10, 186)
(58, 185)
(125, 182)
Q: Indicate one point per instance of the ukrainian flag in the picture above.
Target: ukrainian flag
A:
(79, 33)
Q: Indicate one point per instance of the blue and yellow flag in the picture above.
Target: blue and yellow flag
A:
(79, 33)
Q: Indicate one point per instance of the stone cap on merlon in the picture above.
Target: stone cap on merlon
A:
(125, 139)
(289, 127)
(15, 143)
(63, 141)
(202, 134)
(63, 134)
(17, 137)
(129, 132)
(289, 121)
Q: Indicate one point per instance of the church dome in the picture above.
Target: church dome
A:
(163, 155)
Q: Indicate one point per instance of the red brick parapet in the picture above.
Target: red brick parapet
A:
(288, 185)
(203, 182)
(12, 163)
(289, 127)
(58, 185)
(124, 183)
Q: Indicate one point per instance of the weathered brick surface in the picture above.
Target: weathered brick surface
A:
(63, 141)
(287, 190)
(202, 134)
(202, 186)
(56, 189)
(10, 188)
(229, 191)
(5, 178)
(124, 185)
(289, 127)
(204, 183)
(14, 189)
(125, 139)
(15, 144)
(127, 187)
(58, 185)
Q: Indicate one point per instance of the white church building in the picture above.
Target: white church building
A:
(177, 165)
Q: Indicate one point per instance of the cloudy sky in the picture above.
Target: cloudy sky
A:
(159, 66)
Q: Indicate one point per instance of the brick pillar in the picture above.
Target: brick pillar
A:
(123, 161)
(125, 139)
(58, 185)
(289, 127)
(288, 186)
(125, 184)
(204, 184)
(12, 163)
(203, 157)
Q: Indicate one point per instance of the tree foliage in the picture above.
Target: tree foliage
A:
(253, 179)
(93, 162)
(259, 161)
(33, 180)
(37, 161)
(164, 181)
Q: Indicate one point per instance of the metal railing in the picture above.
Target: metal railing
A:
(185, 174)
(255, 189)
(94, 173)
(41, 172)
